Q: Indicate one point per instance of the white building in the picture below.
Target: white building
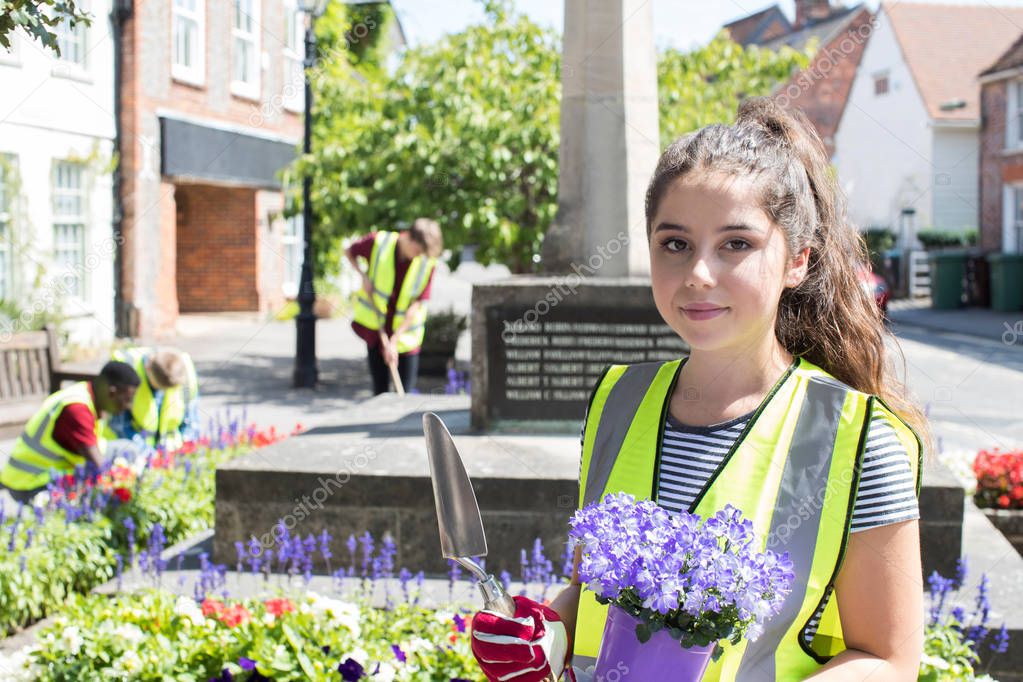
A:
(56, 143)
(909, 134)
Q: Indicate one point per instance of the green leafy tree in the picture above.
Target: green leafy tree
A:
(38, 18)
(465, 131)
(705, 86)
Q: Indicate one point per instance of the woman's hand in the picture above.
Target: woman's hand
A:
(530, 647)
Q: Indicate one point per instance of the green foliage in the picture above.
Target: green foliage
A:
(879, 239)
(154, 635)
(64, 558)
(941, 239)
(442, 331)
(39, 18)
(706, 85)
(465, 132)
(948, 656)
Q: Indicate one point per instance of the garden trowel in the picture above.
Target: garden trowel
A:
(458, 514)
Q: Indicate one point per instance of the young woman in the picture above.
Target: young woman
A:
(785, 407)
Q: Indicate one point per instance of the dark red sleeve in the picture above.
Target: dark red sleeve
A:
(363, 247)
(75, 428)
(425, 296)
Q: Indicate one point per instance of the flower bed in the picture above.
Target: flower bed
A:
(156, 636)
(955, 634)
(999, 491)
(76, 539)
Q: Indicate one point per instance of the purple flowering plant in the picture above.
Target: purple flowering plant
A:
(703, 580)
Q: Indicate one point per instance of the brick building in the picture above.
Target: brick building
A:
(1001, 152)
(822, 89)
(210, 102)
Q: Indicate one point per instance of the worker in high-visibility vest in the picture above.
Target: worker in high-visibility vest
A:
(785, 408)
(390, 308)
(165, 412)
(66, 431)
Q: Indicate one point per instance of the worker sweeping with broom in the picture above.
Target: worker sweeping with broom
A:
(390, 308)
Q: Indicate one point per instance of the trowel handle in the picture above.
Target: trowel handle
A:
(496, 599)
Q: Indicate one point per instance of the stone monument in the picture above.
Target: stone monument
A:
(540, 342)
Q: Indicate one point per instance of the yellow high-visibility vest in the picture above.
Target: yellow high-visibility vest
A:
(796, 464)
(371, 310)
(158, 426)
(36, 453)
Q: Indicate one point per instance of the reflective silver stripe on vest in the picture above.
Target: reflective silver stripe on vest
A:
(417, 287)
(625, 397)
(35, 443)
(806, 474)
(26, 467)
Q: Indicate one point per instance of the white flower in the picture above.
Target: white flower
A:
(189, 610)
(359, 655)
(341, 613)
(129, 632)
(417, 644)
(443, 616)
(71, 639)
(385, 673)
(19, 666)
(128, 663)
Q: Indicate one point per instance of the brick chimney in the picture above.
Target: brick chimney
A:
(811, 11)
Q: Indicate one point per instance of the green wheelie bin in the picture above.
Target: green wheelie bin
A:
(1006, 281)
(948, 272)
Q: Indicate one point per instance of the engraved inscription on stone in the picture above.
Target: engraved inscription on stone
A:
(545, 369)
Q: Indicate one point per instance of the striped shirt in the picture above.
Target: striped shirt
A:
(886, 494)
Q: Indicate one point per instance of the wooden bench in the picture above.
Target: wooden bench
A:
(30, 370)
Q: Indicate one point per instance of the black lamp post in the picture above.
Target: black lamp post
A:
(306, 373)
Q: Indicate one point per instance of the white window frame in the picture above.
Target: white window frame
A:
(1012, 219)
(7, 288)
(292, 243)
(70, 188)
(195, 73)
(1014, 115)
(250, 36)
(73, 61)
(293, 92)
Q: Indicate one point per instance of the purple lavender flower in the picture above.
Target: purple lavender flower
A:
(1001, 643)
(366, 542)
(398, 653)
(459, 623)
(246, 663)
(351, 545)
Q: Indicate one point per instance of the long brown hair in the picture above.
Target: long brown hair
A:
(827, 318)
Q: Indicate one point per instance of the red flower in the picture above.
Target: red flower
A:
(212, 607)
(123, 494)
(278, 607)
(1003, 501)
(235, 615)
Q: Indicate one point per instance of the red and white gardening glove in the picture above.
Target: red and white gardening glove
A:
(530, 647)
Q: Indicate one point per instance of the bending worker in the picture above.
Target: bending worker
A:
(65, 432)
(165, 412)
(390, 309)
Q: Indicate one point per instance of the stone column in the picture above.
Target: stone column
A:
(609, 138)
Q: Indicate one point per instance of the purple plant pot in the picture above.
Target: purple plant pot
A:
(624, 658)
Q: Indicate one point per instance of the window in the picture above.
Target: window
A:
(1014, 115)
(71, 41)
(245, 64)
(7, 166)
(69, 208)
(1014, 240)
(881, 83)
(291, 247)
(189, 41)
(294, 48)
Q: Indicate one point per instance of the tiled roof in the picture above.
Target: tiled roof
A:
(749, 29)
(823, 31)
(947, 46)
(1010, 59)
